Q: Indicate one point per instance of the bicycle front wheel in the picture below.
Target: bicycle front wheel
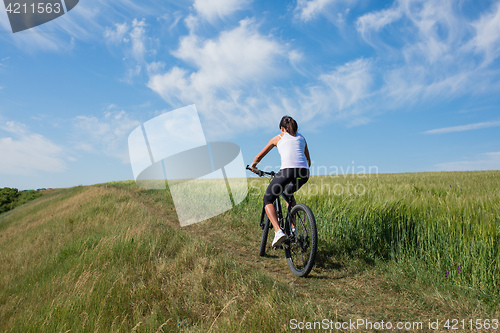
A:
(303, 243)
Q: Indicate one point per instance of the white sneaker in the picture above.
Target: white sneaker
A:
(279, 237)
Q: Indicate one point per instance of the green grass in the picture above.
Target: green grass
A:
(446, 223)
(105, 258)
(112, 258)
(443, 221)
(444, 226)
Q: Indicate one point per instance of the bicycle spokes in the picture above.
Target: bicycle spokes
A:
(301, 250)
(301, 217)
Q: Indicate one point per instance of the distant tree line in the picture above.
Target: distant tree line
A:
(12, 197)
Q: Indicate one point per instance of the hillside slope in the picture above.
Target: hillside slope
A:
(111, 257)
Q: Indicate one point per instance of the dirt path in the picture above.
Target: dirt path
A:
(349, 294)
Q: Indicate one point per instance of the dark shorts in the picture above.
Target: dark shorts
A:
(286, 181)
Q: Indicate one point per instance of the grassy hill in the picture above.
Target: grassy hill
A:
(112, 258)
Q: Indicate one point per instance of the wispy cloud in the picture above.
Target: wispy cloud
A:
(234, 74)
(349, 83)
(3, 61)
(306, 10)
(468, 127)
(84, 23)
(25, 153)
(487, 161)
(375, 21)
(335, 11)
(487, 38)
(212, 9)
(441, 53)
(134, 42)
(106, 134)
(13, 127)
(339, 94)
(117, 34)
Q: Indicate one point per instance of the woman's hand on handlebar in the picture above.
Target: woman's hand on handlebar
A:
(253, 168)
(260, 173)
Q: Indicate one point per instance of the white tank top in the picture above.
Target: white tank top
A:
(291, 149)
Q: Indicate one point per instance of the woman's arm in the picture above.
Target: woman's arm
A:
(306, 152)
(270, 145)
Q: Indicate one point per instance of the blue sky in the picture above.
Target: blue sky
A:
(403, 86)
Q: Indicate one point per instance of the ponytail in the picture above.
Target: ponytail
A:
(289, 124)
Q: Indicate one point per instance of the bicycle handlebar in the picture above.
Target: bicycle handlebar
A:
(261, 173)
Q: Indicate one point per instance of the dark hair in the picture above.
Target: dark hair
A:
(289, 124)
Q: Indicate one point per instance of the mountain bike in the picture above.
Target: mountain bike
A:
(299, 225)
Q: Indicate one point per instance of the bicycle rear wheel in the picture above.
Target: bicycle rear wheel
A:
(263, 240)
(301, 249)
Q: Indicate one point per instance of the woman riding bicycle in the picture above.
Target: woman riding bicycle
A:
(294, 172)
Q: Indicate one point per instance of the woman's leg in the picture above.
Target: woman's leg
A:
(275, 189)
(301, 176)
(298, 178)
(273, 217)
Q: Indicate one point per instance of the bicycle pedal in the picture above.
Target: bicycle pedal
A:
(279, 247)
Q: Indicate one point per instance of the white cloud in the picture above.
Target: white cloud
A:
(212, 9)
(487, 161)
(306, 10)
(433, 31)
(435, 53)
(13, 127)
(423, 52)
(349, 83)
(232, 78)
(227, 71)
(234, 58)
(136, 45)
(137, 37)
(28, 153)
(85, 22)
(155, 67)
(377, 20)
(173, 86)
(342, 94)
(30, 41)
(107, 134)
(487, 39)
(462, 128)
(336, 11)
(295, 57)
(117, 34)
(132, 35)
(3, 61)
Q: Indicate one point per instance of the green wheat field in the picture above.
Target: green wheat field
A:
(113, 258)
